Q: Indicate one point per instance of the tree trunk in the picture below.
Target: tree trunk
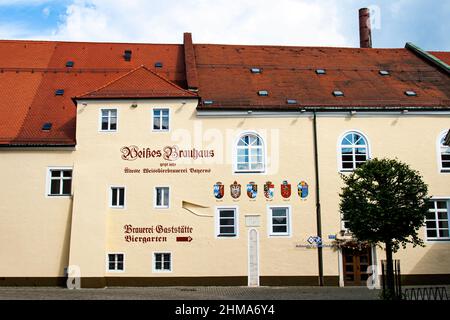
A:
(390, 271)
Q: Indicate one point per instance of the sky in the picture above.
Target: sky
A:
(425, 23)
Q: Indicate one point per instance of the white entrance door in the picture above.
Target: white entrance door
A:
(253, 258)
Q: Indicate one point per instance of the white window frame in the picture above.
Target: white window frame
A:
(235, 154)
(49, 184)
(154, 262)
(109, 124)
(439, 152)
(111, 205)
(155, 205)
(236, 222)
(286, 234)
(340, 146)
(153, 119)
(439, 239)
(107, 262)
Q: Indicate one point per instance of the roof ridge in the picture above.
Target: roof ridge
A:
(142, 66)
(110, 82)
(168, 81)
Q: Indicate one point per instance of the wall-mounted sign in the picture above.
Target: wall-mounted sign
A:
(252, 190)
(168, 153)
(269, 188)
(219, 190)
(156, 233)
(303, 189)
(285, 189)
(252, 220)
(235, 190)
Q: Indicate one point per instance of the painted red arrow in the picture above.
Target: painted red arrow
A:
(184, 239)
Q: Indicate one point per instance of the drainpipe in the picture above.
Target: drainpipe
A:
(318, 213)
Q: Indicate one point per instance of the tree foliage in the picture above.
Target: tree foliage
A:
(385, 201)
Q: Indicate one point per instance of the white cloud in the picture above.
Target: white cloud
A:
(46, 11)
(288, 22)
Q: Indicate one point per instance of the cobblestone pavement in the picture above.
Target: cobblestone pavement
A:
(190, 293)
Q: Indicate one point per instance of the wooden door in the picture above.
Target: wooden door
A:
(356, 263)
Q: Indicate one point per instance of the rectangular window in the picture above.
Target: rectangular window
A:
(108, 120)
(116, 262)
(445, 160)
(117, 197)
(437, 220)
(162, 261)
(161, 119)
(162, 197)
(227, 222)
(279, 221)
(60, 182)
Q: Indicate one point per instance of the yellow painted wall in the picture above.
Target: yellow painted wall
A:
(34, 228)
(36, 231)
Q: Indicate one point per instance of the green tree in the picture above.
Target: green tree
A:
(385, 202)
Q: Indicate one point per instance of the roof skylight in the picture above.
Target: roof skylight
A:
(158, 64)
(59, 92)
(127, 55)
(321, 71)
(411, 93)
(255, 70)
(69, 64)
(384, 73)
(338, 93)
(263, 93)
(291, 101)
(47, 126)
(208, 102)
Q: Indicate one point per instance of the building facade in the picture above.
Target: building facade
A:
(134, 164)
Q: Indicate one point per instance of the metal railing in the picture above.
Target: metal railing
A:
(429, 293)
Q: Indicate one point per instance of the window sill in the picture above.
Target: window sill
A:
(243, 172)
(438, 240)
(275, 235)
(226, 236)
(59, 195)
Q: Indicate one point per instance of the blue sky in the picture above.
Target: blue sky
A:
(281, 22)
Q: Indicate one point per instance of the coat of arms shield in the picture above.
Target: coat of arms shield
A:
(269, 189)
(303, 189)
(252, 190)
(219, 190)
(235, 190)
(285, 189)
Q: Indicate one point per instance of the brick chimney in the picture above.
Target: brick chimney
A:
(365, 30)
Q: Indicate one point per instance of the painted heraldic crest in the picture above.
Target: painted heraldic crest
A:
(219, 190)
(235, 190)
(252, 190)
(285, 189)
(269, 188)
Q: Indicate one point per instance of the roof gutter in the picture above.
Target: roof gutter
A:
(441, 65)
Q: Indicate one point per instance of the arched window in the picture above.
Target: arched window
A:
(354, 151)
(250, 153)
(444, 153)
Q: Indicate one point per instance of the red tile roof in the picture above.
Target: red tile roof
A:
(289, 73)
(138, 83)
(444, 56)
(31, 71)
